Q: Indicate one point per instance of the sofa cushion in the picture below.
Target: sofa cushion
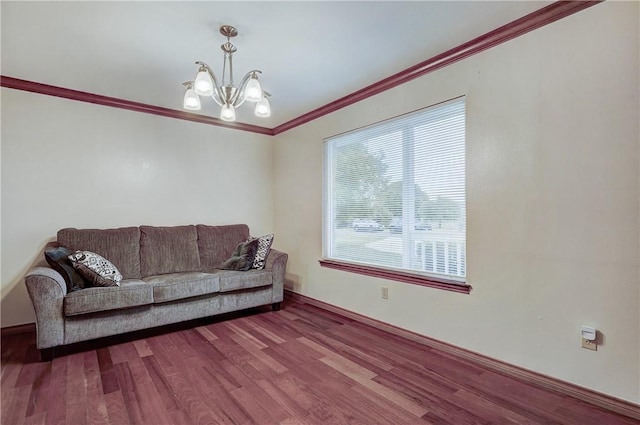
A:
(58, 259)
(216, 243)
(168, 250)
(121, 246)
(176, 286)
(130, 293)
(242, 257)
(233, 280)
(97, 270)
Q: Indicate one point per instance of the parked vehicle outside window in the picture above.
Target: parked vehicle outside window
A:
(364, 225)
(396, 225)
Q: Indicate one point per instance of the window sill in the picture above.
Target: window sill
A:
(414, 279)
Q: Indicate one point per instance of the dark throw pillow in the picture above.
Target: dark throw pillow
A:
(95, 268)
(58, 259)
(243, 256)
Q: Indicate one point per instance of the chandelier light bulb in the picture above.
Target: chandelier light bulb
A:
(253, 91)
(228, 113)
(191, 100)
(203, 84)
(263, 108)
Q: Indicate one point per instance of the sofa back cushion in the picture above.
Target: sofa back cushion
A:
(216, 243)
(119, 246)
(168, 250)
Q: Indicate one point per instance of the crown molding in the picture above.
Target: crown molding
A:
(114, 102)
(530, 22)
(527, 23)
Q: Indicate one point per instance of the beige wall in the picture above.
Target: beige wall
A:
(552, 203)
(73, 164)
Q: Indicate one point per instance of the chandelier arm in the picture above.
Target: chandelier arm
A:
(216, 96)
(239, 99)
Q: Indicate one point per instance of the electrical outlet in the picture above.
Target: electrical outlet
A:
(385, 293)
(589, 345)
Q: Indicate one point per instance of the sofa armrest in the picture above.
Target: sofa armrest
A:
(47, 290)
(277, 263)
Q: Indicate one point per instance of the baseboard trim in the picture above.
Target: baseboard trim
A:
(18, 329)
(604, 401)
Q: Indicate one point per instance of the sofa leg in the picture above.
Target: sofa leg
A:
(46, 354)
(276, 306)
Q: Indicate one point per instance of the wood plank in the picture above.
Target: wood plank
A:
(217, 397)
(320, 320)
(279, 325)
(492, 411)
(391, 353)
(297, 420)
(356, 354)
(116, 408)
(142, 348)
(127, 390)
(39, 390)
(37, 419)
(107, 373)
(294, 410)
(97, 413)
(441, 408)
(346, 368)
(17, 398)
(161, 383)
(193, 404)
(204, 331)
(307, 365)
(319, 409)
(151, 405)
(56, 408)
(261, 361)
(255, 409)
(216, 371)
(264, 329)
(385, 408)
(179, 417)
(246, 335)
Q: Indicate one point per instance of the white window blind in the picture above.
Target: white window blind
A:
(394, 193)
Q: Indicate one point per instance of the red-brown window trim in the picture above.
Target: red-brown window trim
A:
(400, 276)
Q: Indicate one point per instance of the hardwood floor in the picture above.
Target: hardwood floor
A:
(300, 365)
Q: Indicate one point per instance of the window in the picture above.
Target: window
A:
(394, 198)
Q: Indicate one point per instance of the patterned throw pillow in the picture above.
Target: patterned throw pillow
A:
(264, 246)
(95, 268)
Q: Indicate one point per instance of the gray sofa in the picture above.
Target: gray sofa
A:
(170, 274)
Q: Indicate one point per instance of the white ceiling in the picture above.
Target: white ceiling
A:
(310, 53)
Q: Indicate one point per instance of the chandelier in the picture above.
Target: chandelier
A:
(226, 94)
